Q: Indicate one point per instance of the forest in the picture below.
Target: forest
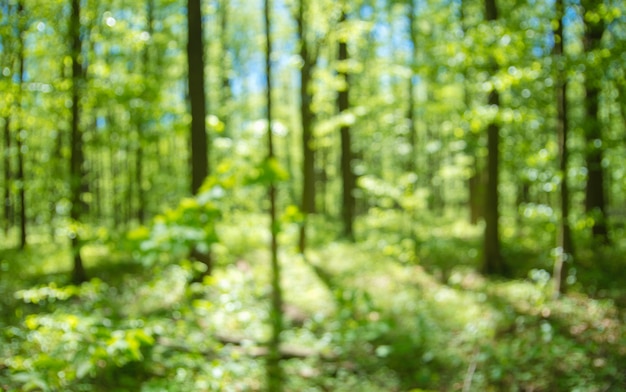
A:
(313, 195)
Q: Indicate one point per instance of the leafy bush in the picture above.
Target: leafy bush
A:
(69, 345)
(173, 234)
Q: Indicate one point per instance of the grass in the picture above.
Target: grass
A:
(389, 313)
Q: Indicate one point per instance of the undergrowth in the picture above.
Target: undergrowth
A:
(384, 314)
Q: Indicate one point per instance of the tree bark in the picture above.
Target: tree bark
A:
(8, 203)
(115, 171)
(306, 118)
(476, 181)
(564, 240)
(595, 199)
(226, 89)
(412, 161)
(476, 185)
(141, 127)
(7, 200)
(492, 263)
(275, 374)
(347, 156)
(197, 98)
(76, 158)
(20, 135)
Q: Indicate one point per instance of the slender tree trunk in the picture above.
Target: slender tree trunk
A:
(322, 179)
(197, 98)
(412, 162)
(19, 136)
(97, 168)
(275, 374)
(115, 187)
(476, 186)
(564, 241)
(8, 203)
(226, 91)
(492, 256)
(492, 263)
(8, 179)
(476, 181)
(139, 153)
(21, 180)
(595, 201)
(139, 177)
(306, 118)
(348, 179)
(130, 180)
(76, 158)
(57, 167)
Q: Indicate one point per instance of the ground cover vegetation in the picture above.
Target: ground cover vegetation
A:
(297, 195)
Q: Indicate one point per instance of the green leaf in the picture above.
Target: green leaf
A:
(268, 172)
(293, 214)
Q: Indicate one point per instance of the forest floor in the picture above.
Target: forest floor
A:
(377, 315)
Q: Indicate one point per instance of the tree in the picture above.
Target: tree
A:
(595, 199)
(225, 68)
(564, 241)
(21, 134)
(308, 58)
(492, 262)
(475, 184)
(197, 98)
(274, 370)
(410, 115)
(348, 206)
(197, 101)
(7, 63)
(14, 116)
(143, 118)
(77, 175)
(7, 174)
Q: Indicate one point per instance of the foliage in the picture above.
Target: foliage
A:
(363, 319)
(403, 308)
(191, 225)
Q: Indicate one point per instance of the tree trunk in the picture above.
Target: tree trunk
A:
(595, 201)
(8, 203)
(195, 51)
(197, 98)
(492, 257)
(476, 182)
(76, 157)
(322, 180)
(226, 90)
(275, 374)
(7, 200)
(412, 161)
(492, 263)
(97, 169)
(140, 213)
(139, 152)
(307, 118)
(19, 136)
(476, 185)
(564, 241)
(348, 178)
(131, 183)
(115, 174)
